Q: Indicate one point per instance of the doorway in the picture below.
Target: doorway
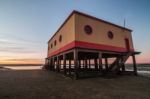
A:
(127, 44)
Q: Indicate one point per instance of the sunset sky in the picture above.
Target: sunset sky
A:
(27, 25)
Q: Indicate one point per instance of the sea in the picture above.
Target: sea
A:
(142, 69)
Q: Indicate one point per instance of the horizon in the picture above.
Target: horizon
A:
(26, 26)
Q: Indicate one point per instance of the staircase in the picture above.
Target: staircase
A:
(117, 64)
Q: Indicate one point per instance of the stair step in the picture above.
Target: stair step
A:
(116, 65)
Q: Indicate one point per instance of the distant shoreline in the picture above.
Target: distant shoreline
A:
(138, 64)
(21, 64)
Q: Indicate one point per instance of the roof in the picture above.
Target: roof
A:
(89, 16)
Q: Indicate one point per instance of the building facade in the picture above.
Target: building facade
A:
(85, 43)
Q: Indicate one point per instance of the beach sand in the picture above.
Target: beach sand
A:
(42, 84)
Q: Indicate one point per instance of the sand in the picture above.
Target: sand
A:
(42, 84)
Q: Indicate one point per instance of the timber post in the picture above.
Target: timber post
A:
(134, 65)
(106, 63)
(75, 52)
(100, 60)
(95, 62)
(64, 63)
(57, 63)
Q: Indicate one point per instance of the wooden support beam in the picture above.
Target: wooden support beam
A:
(57, 64)
(100, 60)
(79, 64)
(49, 65)
(96, 65)
(134, 64)
(86, 50)
(106, 63)
(76, 65)
(123, 67)
(69, 51)
(118, 67)
(96, 51)
(122, 64)
(64, 63)
(70, 66)
(53, 63)
(85, 63)
(89, 64)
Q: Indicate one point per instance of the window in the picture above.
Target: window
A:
(55, 42)
(110, 35)
(88, 29)
(60, 38)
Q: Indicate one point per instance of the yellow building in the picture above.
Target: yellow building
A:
(83, 40)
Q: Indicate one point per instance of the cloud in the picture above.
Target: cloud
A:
(5, 42)
(15, 44)
(22, 61)
(16, 39)
(16, 50)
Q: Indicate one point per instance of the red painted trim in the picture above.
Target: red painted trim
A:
(66, 47)
(88, 45)
(98, 46)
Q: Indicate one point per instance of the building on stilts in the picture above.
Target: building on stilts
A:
(87, 45)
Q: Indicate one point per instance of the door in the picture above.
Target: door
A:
(127, 44)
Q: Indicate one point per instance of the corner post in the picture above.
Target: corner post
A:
(134, 65)
(76, 66)
(122, 65)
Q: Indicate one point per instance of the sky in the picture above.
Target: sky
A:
(27, 25)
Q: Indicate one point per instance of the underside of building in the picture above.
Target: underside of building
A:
(80, 54)
(79, 62)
